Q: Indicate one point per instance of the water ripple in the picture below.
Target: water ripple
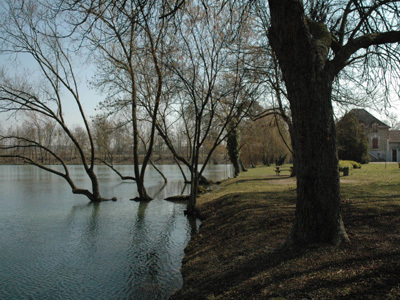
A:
(54, 247)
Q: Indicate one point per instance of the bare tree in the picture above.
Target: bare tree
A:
(205, 98)
(275, 96)
(127, 38)
(320, 43)
(42, 130)
(28, 29)
(268, 146)
(393, 121)
(103, 137)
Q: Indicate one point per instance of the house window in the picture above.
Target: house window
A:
(375, 128)
(375, 143)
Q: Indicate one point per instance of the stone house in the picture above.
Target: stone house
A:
(384, 144)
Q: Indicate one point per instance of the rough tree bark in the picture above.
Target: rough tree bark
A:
(302, 60)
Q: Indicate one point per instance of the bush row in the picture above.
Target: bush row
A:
(349, 163)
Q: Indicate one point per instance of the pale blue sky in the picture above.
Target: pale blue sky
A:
(24, 66)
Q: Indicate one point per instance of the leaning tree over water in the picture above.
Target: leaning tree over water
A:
(29, 29)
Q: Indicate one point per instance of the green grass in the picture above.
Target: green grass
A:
(234, 256)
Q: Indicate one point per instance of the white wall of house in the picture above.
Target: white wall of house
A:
(378, 141)
(382, 137)
(387, 154)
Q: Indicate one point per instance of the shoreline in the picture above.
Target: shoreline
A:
(115, 163)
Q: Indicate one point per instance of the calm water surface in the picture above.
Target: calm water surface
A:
(56, 245)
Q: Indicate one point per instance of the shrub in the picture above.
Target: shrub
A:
(349, 163)
(351, 139)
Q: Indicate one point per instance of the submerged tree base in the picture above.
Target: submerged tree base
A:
(178, 198)
(141, 199)
(99, 200)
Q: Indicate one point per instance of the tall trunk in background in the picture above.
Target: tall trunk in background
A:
(232, 143)
(309, 86)
(293, 143)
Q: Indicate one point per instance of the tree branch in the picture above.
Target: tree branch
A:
(363, 42)
(116, 171)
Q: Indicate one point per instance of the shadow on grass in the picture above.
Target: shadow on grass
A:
(272, 178)
(235, 255)
(372, 284)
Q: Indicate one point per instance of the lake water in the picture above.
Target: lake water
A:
(56, 245)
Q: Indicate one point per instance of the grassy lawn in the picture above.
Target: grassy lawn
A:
(236, 253)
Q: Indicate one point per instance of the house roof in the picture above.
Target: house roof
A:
(394, 136)
(365, 117)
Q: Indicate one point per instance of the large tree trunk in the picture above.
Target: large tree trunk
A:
(302, 60)
(318, 217)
